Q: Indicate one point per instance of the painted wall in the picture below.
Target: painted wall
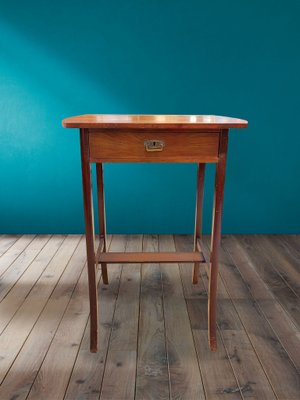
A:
(62, 58)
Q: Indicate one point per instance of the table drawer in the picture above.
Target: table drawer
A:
(153, 146)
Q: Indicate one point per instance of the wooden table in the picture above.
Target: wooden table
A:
(197, 139)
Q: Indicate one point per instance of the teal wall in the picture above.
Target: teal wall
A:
(60, 58)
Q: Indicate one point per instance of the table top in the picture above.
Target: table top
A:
(115, 121)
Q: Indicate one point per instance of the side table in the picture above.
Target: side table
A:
(197, 139)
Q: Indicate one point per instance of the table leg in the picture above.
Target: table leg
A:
(101, 217)
(216, 239)
(198, 216)
(90, 240)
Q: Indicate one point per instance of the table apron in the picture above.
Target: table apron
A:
(120, 146)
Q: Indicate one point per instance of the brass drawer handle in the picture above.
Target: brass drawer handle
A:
(154, 145)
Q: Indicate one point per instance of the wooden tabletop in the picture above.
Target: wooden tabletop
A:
(153, 121)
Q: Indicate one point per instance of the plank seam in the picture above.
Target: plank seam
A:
(233, 303)
(111, 329)
(17, 256)
(19, 277)
(84, 330)
(34, 282)
(17, 238)
(38, 319)
(261, 310)
(198, 355)
(65, 310)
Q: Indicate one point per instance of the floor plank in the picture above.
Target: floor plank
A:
(274, 313)
(87, 374)
(6, 241)
(122, 351)
(15, 251)
(14, 299)
(279, 369)
(9, 278)
(152, 380)
(61, 355)
(24, 370)
(153, 325)
(217, 372)
(185, 378)
(262, 257)
(15, 334)
(252, 379)
(285, 259)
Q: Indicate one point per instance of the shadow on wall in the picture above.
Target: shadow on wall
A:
(148, 57)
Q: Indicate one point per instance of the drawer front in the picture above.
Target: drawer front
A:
(153, 146)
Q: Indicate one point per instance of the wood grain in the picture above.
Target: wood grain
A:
(273, 311)
(122, 352)
(185, 378)
(285, 261)
(130, 147)
(36, 321)
(272, 271)
(279, 369)
(147, 257)
(57, 364)
(14, 252)
(101, 217)
(153, 121)
(17, 268)
(152, 379)
(198, 217)
(90, 235)
(217, 373)
(14, 299)
(258, 355)
(6, 241)
(87, 374)
(216, 239)
(247, 368)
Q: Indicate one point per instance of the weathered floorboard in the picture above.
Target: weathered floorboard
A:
(264, 260)
(87, 375)
(152, 379)
(14, 252)
(33, 326)
(279, 369)
(218, 375)
(247, 368)
(275, 314)
(153, 324)
(185, 378)
(9, 278)
(14, 299)
(121, 358)
(6, 241)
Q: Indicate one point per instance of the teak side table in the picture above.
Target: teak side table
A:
(197, 139)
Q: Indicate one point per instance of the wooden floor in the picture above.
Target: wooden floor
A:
(153, 322)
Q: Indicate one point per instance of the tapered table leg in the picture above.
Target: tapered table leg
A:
(101, 217)
(216, 240)
(198, 216)
(90, 241)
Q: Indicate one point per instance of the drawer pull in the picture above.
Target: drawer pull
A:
(154, 145)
